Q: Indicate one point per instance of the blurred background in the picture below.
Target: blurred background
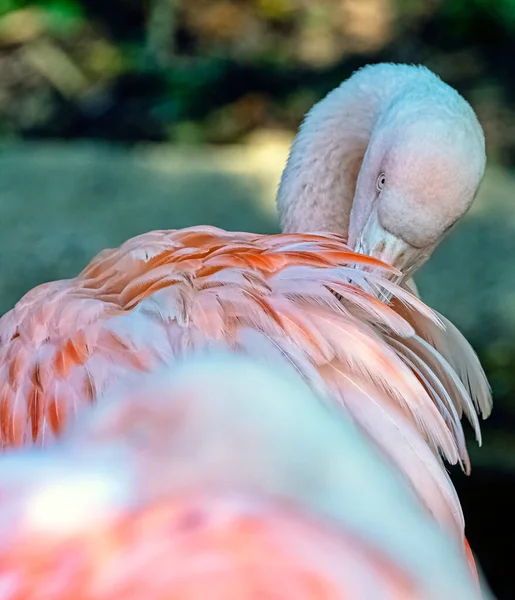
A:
(123, 116)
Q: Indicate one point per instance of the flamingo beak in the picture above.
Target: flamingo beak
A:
(377, 242)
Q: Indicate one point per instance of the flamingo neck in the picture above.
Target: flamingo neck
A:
(318, 185)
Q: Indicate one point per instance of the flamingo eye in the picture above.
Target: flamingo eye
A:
(381, 180)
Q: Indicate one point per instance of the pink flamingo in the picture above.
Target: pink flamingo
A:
(390, 160)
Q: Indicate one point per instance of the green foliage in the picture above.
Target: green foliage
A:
(466, 8)
(232, 65)
(461, 14)
(7, 6)
(62, 16)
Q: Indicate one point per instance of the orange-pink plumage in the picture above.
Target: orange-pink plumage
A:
(150, 496)
(304, 299)
(365, 344)
(156, 552)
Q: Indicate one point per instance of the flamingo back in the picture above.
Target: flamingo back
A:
(303, 300)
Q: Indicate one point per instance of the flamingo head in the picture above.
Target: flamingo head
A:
(419, 176)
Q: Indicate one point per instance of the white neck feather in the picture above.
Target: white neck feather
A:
(317, 186)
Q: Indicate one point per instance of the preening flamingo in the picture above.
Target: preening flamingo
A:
(153, 496)
(391, 159)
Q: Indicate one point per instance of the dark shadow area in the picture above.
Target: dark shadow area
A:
(487, 500)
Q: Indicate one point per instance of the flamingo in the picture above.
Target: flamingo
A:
(380, 171)
(151, 495)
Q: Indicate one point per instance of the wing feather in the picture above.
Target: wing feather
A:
(303, 299)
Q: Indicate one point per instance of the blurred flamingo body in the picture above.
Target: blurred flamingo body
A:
(323, 303)
(149, 497)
